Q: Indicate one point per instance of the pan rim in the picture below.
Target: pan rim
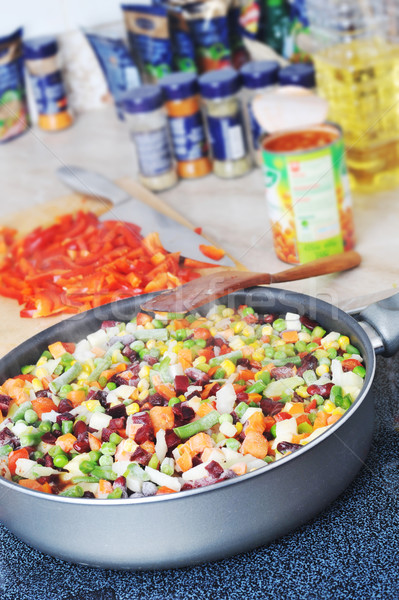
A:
(89, 502)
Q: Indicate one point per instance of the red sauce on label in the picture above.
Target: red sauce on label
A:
(300, 140)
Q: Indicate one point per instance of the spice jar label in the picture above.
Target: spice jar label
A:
(227, 137)
(153, 152)
(188, 136)
(49, 92)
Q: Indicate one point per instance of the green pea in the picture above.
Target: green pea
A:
(335, 393)
(188, 343)
(305, 428)
(30, 416)
(60, 461)
(280, 354)
(174, 401)
(311, 346)
(233, 444)
(344, 402)
(46, 354)
(332, 353)
(200, 342)
(108, 448)
(248, 310)
(269, 352)
(180, 334)
(55, 451)
(137, 345)
(360, 370)
(143, 353)
(105, 461)
(219, 374)
(279, 325)
(111, 385)
(157, 324)
(115, 438)
(300, 346)
(268, 459)
(273, 430)
(64, 390)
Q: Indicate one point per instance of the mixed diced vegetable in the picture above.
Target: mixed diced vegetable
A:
(173, 402)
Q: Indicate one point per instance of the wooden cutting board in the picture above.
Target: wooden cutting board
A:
(13, 329)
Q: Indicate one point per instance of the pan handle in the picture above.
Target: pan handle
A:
(383, 316)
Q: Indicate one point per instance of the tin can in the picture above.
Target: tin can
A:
(307, 192)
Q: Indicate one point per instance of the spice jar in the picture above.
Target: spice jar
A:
(257, 77)
(219, 89)
(42, 61)
(147, 122)
(186, 124)
(302, 74)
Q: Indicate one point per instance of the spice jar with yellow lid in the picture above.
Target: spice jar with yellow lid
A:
(43, 64)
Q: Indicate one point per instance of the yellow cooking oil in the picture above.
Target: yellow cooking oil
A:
(360, 80)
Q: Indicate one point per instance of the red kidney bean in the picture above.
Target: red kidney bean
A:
(271, 407)
(307, 322)
(282, 372)
(323, 390)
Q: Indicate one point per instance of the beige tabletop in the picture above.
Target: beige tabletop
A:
(232, 212)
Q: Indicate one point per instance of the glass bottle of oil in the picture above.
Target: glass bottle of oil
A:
(357, 71)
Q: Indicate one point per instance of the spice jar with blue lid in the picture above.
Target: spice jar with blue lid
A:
(148, 126)
(44, 67)
(258, 77)
(302, 74)
(220, 93)
(182, 103)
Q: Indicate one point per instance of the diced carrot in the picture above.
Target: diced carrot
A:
(302, 419)
(201, 333)
(205, 455)
(104, 488)
(212, 371)
(95, 443)
(207, 390)
(32, 484)
(321, 420)
(198, 443)
(15, 389)
(197, 323)
(14, 456)
(269, 367)
(333, 419)
(290, 337)
(239, 468)
(256, 422)
(98, 351)
(252, 397)
(247, 351)
(166, 391)
(162, 417)
(148, 446)
(239, 388)
(76, 397)
(227, 334)
(142, 318)
(180, 323)
(165, 490)
(108, 373)
(43, 405)
(184, 461)
(185, 358)
(57, 349)
(207, 352)
(245, 374)
(269, 422)
(296, 438)
(66, 441)
(297, 408)
(256, 444)
(204, 409)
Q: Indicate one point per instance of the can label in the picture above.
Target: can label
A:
(309, 200)
(188, 137)
(227, 137)
(153, 152)
(255, 128)
(49, 92)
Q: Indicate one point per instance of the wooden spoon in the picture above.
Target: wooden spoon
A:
(215, 285)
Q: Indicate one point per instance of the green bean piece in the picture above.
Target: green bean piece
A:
(19, 415)
(84, 479)
(67, 377)
(202, 424)
(30, 416)
(86, 466)
(104, 473)
(233, 356)
(102, 365)
(273, 430)
(351, 349)
(233, 444)
(73, 492)
(144, 335)
(30, 439)
(219, 374)
(279, 325)
(27, 369)
(60, 461)
(105, 461)
(115, 494)
(94, 455)
(336, 392)
(360, 370)
(55, 451)
(256, 388)
(5, 450)
(115, 438)
(153, 462)
(67, 427)
(240, 409)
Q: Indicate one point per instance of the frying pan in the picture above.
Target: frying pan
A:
(218, 521)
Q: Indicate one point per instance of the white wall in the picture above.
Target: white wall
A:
(44, 17)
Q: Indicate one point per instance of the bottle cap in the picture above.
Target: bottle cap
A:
(178, 86)
(302, 74)
(142, 99)
(219, 84)
(259, 73)
(40, 47)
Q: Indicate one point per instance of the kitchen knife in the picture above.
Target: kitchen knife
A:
(174, 236)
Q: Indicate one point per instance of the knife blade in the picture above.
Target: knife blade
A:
(174, 236)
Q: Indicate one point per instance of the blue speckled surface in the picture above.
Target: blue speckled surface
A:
(350, 551)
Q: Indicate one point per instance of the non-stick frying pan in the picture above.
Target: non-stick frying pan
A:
(217, 521)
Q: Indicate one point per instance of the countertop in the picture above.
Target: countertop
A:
(350, 551)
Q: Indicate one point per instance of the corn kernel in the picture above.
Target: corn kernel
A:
(180, 447)
(248, 331)
(42, 372)
(303, 336)
(213, 330)
(257, 375)
(116, 356)
(216, 318)
(227, 312)
(338, 411)
(258, 355)
(322, 369)
(143, 395)
(328, 345)
(277, 343)
(149, 325)
(238, 326)
(228, 366)
(37, 384)
(151, 344)
(343, 341)
(91, 405)
(132, 409)
(129, 445)
(182, 397)
(267, 330)
(144, 371)
(200, 360)
(162, 347)
(238, 427)
(143, 385)
(135, 394)
(178, 346)
(41, 361)
(236, 344)
(88, 366)
(302, 392)
(329, 406)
